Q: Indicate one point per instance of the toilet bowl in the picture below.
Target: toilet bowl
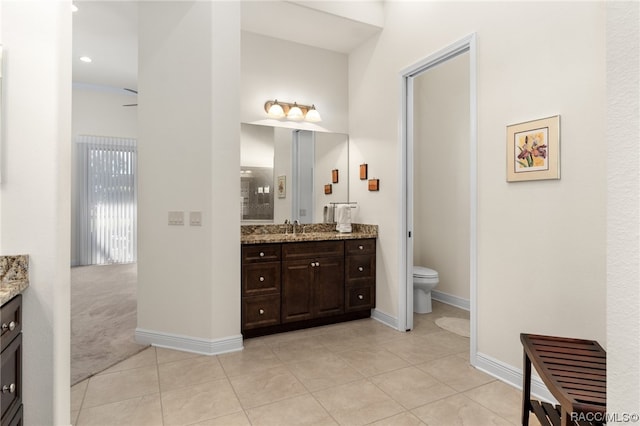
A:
(424, 280)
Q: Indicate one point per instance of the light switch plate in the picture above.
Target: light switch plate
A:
(176, 218)
(195, 218)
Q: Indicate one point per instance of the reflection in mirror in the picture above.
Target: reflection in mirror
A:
(306, 160)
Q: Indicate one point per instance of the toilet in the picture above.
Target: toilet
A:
(424, 280)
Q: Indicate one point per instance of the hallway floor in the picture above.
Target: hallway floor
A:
(356, 373)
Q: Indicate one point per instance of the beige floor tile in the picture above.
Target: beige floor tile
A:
(144, 358)
(78, 392)
(266, 387)
(458, 410)
(169, 355)
(453, 342)
(455, 371)
(197, 403)
(189, 371)
(445, 310)
(326, 371)
(374, 331)
(120, 386)
(235, 419)
(293, 350)
(251, 359)
(416, 349)
(412, 387)
(344, 339)
(300, 410)
(402, 419)
(501, 398)
(375, 361)
(357, 403)
(140, 411)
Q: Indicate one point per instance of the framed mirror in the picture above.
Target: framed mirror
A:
(284, 173)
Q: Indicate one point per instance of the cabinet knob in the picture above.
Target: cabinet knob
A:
(11, 326)
(314, 264)
(317, 263)
(11, 388)
(360, 268)
(261, 254)
(360, 247)
(261, 311)
(261, 279)
(360, 297)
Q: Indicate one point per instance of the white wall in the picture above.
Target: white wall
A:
(534, 60)
(34, 194)
(97, 111)
(623, 213)
(189, 157)
(332, 152)
(292, 72)
(441, 174)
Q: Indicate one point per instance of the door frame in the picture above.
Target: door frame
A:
(405, 273)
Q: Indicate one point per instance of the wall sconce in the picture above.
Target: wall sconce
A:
(280, 110)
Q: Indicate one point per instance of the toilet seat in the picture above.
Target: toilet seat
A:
(422, 272)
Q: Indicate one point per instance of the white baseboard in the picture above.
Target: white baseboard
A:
(189, 344)
(450, 299)
(513, 376)
(384, 318)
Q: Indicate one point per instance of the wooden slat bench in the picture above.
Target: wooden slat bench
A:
(574, 371)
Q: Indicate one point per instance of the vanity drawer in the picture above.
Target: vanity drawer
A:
(11, 378)
(312, 250)
(260, 278)
(260, 253)
(355, 247)
(361, 267)
(11, 314)
(260, 311)
(359, 297)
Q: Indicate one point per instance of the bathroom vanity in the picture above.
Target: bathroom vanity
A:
(312, 277)
(13, 281)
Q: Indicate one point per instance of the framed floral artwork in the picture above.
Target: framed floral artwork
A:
(533, 150)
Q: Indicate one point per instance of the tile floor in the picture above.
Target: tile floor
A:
(356, 373)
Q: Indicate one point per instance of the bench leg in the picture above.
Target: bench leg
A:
(526, 390)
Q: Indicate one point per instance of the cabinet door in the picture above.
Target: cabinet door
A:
(328, 286)
(297, 281)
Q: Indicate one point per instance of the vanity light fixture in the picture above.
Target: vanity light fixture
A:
(292, 111)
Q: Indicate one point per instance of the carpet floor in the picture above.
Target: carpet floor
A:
(103, 317)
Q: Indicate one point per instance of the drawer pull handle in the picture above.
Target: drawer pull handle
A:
(11, 326)
(261, 311)
(360, 268)
(360, 247)
(261, 279)
(361, 297)
(11, 388)
(314, 264)
(261, 254)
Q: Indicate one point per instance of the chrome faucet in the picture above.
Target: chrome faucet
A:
(295, 222)
(286, 226)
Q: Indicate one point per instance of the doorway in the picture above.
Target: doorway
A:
(466, 45)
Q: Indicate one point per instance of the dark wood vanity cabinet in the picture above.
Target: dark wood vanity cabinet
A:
(360, 282)
(11, 360)
(301, 284)
(312, 280)
(261, 285)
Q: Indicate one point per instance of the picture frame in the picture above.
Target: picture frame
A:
(328, 189)
(334, 176)
(282, 186)
(533, 150)
(363, 171)
(374, 184)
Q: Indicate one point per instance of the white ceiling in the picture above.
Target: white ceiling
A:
(107, 32)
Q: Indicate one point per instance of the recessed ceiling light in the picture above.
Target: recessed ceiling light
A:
(74, 8)
(85, 59)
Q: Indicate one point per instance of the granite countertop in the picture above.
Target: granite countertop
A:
(260, 234)
(14, 276)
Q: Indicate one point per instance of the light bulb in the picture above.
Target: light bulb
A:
(313, 115)
(275, 110)
(295, 113)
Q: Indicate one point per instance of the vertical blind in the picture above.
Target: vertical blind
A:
(107, 200)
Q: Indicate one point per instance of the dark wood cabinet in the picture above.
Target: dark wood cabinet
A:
(11, 360)
(307, 283)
